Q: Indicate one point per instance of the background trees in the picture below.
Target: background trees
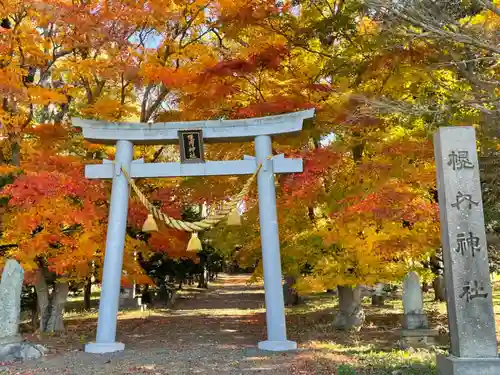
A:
(463, 69)
(366, 211)
(381, 75)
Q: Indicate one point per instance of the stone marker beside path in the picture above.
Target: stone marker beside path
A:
(11, 286)
(415, 332)
(471, 318)
(12, 345)
(413, 303)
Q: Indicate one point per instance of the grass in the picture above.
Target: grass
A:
(396, 362)
(382, 363)
(373, 350)
(357, 357)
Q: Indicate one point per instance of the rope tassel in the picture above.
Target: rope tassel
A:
(194, 243)
(150, 224)
(234, 218)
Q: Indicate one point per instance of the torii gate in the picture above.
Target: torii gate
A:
(125, 135)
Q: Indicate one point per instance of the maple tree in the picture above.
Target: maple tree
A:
(61, 58)
(57, 221)
(375, 160)
(462, 37)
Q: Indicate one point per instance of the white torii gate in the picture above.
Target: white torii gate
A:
(125, 135)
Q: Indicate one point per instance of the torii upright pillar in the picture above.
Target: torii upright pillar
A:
(125, 135)
(113, 261)
(269, 237)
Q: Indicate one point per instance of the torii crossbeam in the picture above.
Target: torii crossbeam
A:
(125, 135)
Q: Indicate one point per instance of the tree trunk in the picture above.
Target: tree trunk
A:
(34, 312)
(291, 295)
(87, 293)
(42, 297)
(58, 299)
(439, 289)
(351, 314)
(50, 305)
(202, 280)
(378, 297)
(378, 300)
(207, 277)
(425, 287)
(16, 153)
(2, 156)
(34, 318)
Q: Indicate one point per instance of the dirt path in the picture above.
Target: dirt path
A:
(211, 332)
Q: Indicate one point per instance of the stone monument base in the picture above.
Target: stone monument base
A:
(11, 340)
(415, 321)
(467, 366)
(14, 349)
(417, 338)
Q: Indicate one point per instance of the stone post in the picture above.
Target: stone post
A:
(471, 318)
(415, 332)
(275, 307)
(12, 345)
(11, 286)
(413, 303)
(113, 260)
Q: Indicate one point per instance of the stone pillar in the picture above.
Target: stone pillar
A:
(113, 260)
(11, 286)
(471, 318)
(415, 332)
(413, 303)
(275, 307)
(12, 346)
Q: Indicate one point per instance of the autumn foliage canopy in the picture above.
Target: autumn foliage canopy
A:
(363, 210)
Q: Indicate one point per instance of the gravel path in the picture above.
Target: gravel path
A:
(213, 332)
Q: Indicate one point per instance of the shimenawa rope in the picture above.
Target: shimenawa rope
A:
(196, 226)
